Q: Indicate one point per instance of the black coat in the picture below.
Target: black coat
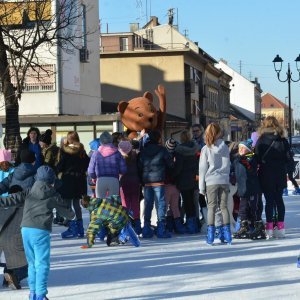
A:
(152, 163)
(272, 166)
(72, 168)
(186, 165)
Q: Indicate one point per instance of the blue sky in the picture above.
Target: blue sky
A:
(243, 32)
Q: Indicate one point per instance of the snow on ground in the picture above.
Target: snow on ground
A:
(182, 267)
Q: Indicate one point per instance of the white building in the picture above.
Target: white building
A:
(245, 95)
(70, 98)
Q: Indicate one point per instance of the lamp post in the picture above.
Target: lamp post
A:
(278, 66)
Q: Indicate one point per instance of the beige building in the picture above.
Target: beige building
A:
(134, 62)
(271, 106)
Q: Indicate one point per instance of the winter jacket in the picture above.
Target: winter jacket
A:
(36, 148)
(214, 165)
(152, 163)
(40, 201)
(272, 166)
(245, 169)
(185, 170)
(72, 166)
(107, 162)
(22, 176)
(50, 155)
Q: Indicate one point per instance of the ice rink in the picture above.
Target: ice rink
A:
(182, 267)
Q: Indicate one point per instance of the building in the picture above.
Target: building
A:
(245, 102)
(271, 106)
(66, 94)
(134, 62)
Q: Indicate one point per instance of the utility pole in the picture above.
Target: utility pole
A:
(240, 66)
(171, 19)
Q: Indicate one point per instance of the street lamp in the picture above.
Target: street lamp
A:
(278, 66)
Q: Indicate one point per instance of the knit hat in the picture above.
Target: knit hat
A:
(94, 144)
(5, 155)
(247, 144)
(105, 138)
(170, 145)
(125, 147)
(46, 174)
(46, 137)
(27, 156)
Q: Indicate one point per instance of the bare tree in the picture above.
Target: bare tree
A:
(29, 29)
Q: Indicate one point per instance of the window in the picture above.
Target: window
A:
(124, 43)
(83, 25)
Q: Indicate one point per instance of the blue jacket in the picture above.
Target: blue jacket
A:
(23, 176)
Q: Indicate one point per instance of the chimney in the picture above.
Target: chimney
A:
(154, 21)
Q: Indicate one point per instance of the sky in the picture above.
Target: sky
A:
(247, 34)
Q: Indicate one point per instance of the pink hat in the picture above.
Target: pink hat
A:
(125, 147)
(5, 155)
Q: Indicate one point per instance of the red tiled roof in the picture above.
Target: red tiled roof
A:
(269, 101)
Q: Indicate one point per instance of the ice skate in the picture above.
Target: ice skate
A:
(259, 231)
(243, 232)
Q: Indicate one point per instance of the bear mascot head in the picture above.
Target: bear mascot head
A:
(140, 114)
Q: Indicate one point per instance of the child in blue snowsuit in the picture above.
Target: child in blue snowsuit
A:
(36, 225)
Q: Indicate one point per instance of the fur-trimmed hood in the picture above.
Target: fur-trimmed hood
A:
(73, 149)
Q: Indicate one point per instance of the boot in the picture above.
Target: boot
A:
(71, 232)
(123, 236)
(12, 281)
(279, 233)
(32, 295)
(102, 233)
(161, 230)
(296, 191)
(133, 237)
(179, 227)
(80, 228)
(227, 234)
(285, 192)
(220, 234)
(243, 232)
(237, 225)
(137, 226)
(170, 223)
(259, 231)
(112, 239)
(147, 231)
(190, 225)
(269, 230)
(210, 234)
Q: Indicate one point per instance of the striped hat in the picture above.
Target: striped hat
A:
(170, 145)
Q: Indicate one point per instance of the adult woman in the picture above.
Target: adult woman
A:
(73, 163)
(272, 151)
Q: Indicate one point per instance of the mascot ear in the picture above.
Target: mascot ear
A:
(122, 106)
(149, 96)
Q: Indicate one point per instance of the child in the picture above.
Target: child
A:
(36, 225)
(110, 214)
(245, 166)
(214, 169)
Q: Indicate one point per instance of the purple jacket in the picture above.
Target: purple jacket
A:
(107, 162)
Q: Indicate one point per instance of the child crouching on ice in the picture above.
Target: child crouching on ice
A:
(36, 225)
(109, 213)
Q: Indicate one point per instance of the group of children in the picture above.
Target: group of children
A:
(114, 208)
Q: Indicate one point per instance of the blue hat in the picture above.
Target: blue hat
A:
(94, 144)
(247, 144)
(46, 174)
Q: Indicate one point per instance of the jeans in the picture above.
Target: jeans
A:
(156, 193)
(37, 249)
